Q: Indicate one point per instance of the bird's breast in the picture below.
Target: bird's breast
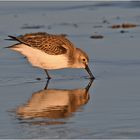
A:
(41, 59)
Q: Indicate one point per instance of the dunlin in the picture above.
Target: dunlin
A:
(48, 51)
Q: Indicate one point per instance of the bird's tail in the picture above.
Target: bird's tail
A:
(13, 46)
(11, 38)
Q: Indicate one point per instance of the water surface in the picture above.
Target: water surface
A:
(65, 109)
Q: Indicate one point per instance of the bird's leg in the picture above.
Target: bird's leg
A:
(48, 76)
(47, 83)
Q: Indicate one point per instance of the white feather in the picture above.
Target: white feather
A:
(41, 59)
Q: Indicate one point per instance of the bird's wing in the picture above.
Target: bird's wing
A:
(50, 44)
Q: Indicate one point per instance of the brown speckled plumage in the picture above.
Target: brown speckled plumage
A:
(50, 44)
(48, 51)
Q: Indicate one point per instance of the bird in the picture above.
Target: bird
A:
(50, 51)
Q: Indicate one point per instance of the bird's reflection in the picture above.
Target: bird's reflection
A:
(54, 103)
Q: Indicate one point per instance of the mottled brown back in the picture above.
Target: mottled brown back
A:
(51, 44)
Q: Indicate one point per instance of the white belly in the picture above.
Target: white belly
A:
(41, 59)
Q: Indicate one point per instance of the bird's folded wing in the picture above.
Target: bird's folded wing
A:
(50, 44)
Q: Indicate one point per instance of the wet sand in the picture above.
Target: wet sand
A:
(109, 109)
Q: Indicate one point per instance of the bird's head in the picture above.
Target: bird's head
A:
(81, 58)
(82, 61)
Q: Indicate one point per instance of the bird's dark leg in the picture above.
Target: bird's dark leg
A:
(47, 83)
(48, 76)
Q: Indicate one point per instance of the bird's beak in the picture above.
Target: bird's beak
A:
(89, 72)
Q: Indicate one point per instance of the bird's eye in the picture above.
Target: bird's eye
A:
(84, 59)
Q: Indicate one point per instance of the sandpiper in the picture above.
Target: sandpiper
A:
(51, 51)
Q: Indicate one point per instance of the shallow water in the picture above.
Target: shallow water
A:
(65, 109)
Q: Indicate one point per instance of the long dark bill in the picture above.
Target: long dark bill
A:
(89, 72)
